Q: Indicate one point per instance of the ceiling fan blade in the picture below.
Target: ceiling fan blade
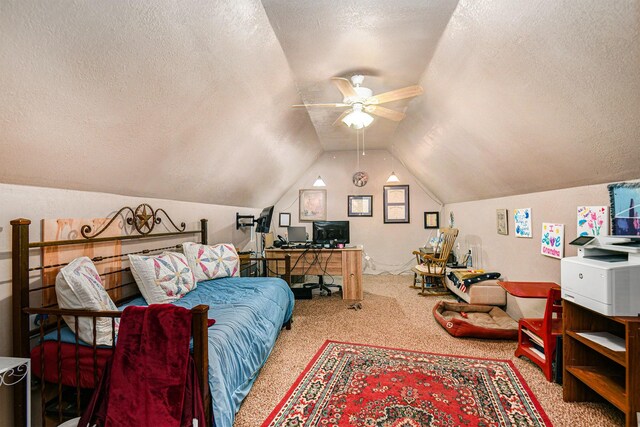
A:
(342, 116)
(395, 95)
(386, 113)
(334, 105)
(344, 86)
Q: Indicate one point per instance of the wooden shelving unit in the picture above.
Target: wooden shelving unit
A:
(594, 372)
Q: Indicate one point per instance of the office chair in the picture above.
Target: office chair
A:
(323, 286)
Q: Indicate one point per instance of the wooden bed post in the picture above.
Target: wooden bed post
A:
(199, 327)
(204, 238)
(287, 269)
(20, 297)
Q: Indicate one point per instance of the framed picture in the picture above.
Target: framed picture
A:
(360, 205)
(396, 204)
(313, 205)
(502, 223)
(625, 217)
(284, 220)
(432, 220)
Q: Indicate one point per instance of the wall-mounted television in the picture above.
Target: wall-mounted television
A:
(325, 232)
(263, 223)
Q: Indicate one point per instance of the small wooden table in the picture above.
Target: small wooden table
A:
(527, 299)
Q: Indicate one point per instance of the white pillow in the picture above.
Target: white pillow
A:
(79, 287)
(162, 278)
(212, 262)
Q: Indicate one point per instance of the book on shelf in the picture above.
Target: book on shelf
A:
(534, 338)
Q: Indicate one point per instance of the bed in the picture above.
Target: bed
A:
(249, 313)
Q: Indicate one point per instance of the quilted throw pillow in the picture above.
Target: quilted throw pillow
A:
(79, 287)
(162, 278)
(212, 262)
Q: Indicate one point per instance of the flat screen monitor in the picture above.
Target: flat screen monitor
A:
(330, 232)
(263, 223)
(297, 234)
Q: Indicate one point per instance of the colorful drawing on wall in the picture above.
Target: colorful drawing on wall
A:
(593, 220)
(552, 242)
(625, 217)
(522, 219)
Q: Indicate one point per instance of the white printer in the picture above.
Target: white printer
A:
(605, 276)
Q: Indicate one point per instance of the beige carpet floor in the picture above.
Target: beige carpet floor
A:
(394, 315)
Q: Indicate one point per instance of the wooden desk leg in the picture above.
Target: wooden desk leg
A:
(352, 275)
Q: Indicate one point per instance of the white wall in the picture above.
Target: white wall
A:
(520, 258)
(389, 246)
(37, 203)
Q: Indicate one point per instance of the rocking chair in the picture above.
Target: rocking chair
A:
(433, 268)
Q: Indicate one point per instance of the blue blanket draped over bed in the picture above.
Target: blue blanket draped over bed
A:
(249, 314)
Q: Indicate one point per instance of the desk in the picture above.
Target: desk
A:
(527, 299)
(12, 371)
(346, 262)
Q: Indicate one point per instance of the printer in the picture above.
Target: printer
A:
(605, 276)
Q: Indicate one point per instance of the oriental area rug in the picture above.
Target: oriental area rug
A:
(358, 385)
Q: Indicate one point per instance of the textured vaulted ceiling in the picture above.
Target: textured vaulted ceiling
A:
(390, 42)
(525, 96)
(179, 100)
(191, 100)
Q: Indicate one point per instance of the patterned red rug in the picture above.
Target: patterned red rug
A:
(358, 385)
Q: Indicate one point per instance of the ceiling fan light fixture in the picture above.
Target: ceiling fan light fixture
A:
(319, 182)
(393, 177)
(357, 119)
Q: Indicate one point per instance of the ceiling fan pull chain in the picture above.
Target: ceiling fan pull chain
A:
(363, 152)
(358, 149)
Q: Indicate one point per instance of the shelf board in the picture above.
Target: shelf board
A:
(617, 356)
(605, 382)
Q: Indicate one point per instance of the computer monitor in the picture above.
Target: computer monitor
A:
(330, 232)
(297, 234)
(263, 223)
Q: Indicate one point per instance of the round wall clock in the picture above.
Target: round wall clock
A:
(360, 179)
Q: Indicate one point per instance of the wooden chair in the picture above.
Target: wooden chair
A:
(543, 333)
(432, 268)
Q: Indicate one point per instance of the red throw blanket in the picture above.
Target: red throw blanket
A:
(151, 380)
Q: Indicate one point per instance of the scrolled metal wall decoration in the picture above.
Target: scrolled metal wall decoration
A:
(143, 219)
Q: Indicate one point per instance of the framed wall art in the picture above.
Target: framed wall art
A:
(625, 217)
(284, 219)
(432, 220)
(502, 222)
(313, 205)
(396, 204)
(360, 205)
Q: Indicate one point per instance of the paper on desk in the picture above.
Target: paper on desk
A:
(612, 342)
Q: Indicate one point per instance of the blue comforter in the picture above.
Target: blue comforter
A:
(249, 314)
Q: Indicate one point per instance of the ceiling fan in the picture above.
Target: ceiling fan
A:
(360, 101)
